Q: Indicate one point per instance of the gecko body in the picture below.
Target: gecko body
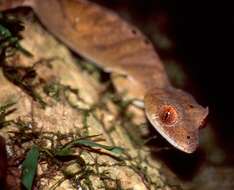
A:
(101, 36)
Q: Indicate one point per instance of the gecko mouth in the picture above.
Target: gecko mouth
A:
(188, 148)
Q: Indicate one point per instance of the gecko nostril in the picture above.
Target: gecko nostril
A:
(188, 137)
(191, 106)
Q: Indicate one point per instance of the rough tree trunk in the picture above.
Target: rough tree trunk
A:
(65, 99)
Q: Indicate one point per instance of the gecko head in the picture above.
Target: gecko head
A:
(176, 116)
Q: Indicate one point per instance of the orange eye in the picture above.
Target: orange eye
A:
(168, 115)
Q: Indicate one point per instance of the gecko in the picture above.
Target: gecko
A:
(102, 36)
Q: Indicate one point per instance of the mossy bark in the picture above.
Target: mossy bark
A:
(75, 105)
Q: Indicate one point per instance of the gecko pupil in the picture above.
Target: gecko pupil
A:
(168, 115)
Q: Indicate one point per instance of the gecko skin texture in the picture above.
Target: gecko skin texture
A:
(101, 36)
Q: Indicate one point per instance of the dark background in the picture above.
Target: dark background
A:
(202, 36)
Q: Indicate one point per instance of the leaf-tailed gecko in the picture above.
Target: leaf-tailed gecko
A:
(100, 35)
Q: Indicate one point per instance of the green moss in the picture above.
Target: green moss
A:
(53, 89)
(10, 28)
(6, 109)
(24, 78)
(90, 68)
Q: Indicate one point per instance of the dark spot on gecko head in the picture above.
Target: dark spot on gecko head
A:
(176, 116)
(147, 42)
(134, 32)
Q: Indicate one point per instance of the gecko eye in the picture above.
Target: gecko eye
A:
(168, 115)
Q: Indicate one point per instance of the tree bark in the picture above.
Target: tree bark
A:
(65, 99)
